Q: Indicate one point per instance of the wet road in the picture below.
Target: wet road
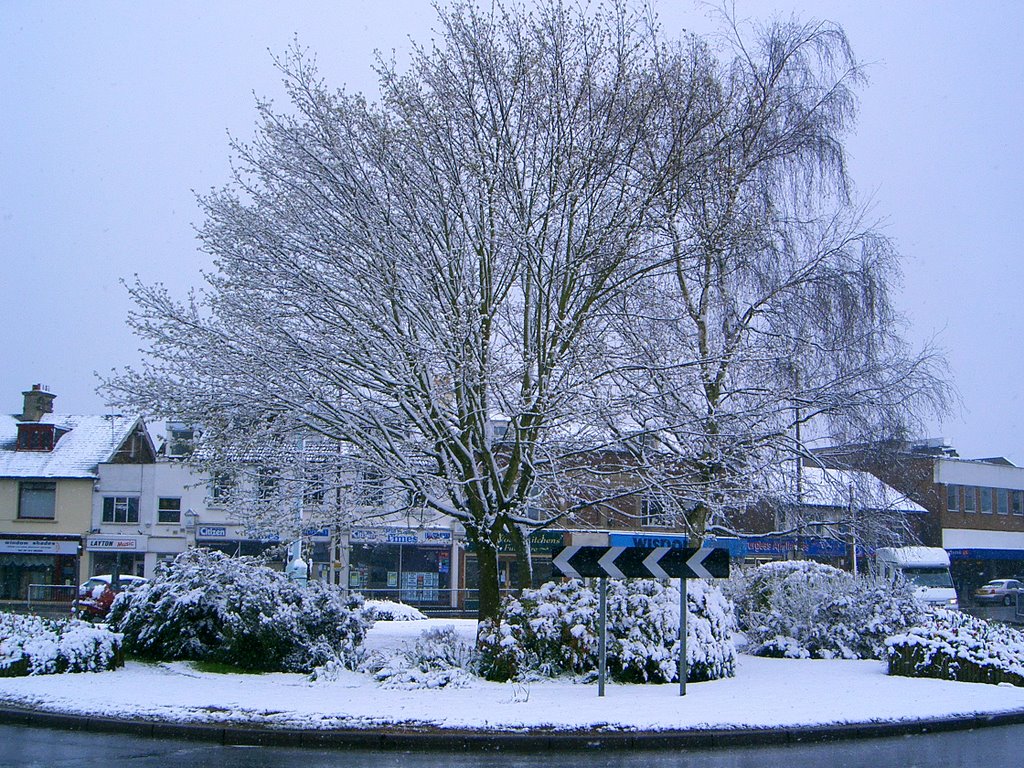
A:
(25, 747)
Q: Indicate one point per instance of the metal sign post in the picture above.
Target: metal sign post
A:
(602, 636)
(682, 637)
(639, 562)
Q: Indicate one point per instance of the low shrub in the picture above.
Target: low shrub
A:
(956, 646)
(438, 659)
(30, 645)
(553, 631)
(206, 606)
(803, 609)
(388, 610)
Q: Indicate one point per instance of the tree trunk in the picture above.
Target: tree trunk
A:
(490, 590)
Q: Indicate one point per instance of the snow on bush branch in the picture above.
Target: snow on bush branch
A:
(803, 609)
(208, 606)
(30, 645)
(553, 630)
(951, 645)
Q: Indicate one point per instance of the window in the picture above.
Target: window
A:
(952, 498)
(37, 500)
(168, 510)
(652, 513)
(1015, 502)
(970, 499)
(120, 509)
(1002, 501)
(266, 484)
(986, 501)
(315, 489)
(35, 437)
(221, 486)
(371, 488)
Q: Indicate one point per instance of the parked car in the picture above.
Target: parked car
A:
(96, 595)
(998, 591)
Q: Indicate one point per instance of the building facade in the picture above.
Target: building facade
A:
(49, 467)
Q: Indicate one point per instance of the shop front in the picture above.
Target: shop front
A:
(222, 538)
(412, 566)
(512, 574)
(37, 559)
(125, 553)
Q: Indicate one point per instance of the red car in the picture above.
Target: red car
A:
(96, 595)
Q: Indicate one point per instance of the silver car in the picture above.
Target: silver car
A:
(998, 591)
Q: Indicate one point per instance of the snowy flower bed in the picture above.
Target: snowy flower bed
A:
(803, 609)
(30, 645)
(388, 610)
(553, 631)
(956, 646)
(208, 606)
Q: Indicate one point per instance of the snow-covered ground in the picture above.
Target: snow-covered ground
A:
(764, 693)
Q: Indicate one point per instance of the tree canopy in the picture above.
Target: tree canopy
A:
(557, 235)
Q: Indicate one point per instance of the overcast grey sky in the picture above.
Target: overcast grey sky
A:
(112, 113)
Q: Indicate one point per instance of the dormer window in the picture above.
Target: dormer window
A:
(37, 437)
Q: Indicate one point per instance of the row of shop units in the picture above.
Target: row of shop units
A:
(435, 568)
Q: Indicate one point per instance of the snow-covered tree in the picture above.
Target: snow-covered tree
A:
(402, 276)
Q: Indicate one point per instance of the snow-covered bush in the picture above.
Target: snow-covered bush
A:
(388, 610)
(950, 645)
(553, 630)
(30, 645)
(208, 606)
(803, 609)
(438, 659)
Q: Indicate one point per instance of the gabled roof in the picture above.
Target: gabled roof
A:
(89, 441)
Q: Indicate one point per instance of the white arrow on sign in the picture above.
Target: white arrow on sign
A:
(561, 561)
(695, 563)
(651, 562)
(607, 562)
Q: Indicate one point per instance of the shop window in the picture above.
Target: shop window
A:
(986, 501)
(952, 498)
(37, 500)
(168, 510)
(120, 509)
(970, 500)
(1002, 501)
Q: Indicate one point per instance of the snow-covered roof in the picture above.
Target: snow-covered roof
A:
(89, 440)
(832, 488)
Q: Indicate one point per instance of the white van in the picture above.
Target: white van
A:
(927, 568)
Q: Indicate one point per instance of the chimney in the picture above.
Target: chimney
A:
(38, 401)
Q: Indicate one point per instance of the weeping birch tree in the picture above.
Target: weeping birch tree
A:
(769, 327)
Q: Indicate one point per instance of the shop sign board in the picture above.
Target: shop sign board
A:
(737, 547)
(38, 547)
(112, 544)
(211, 532)
(545, 541)
(431, 537)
